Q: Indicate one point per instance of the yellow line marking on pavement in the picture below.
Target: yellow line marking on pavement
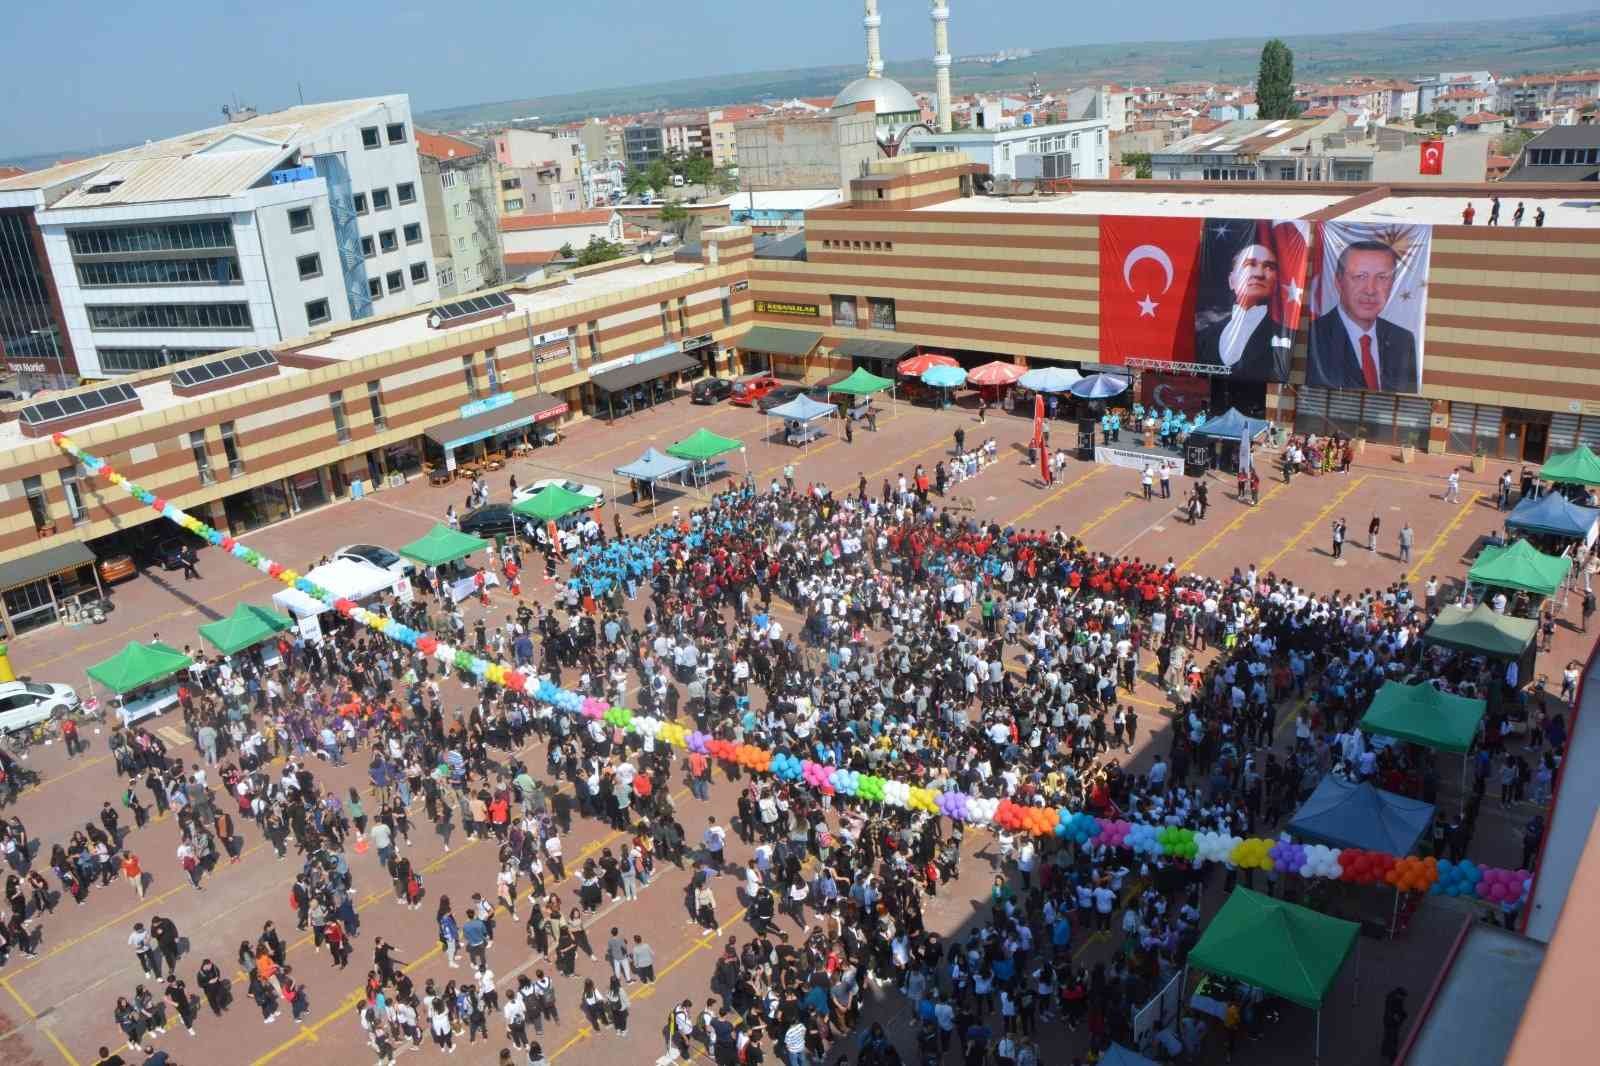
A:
(1238, 520)
(1314, 522)
(1057, 494)
(33, 1016)
(1444, 535)
(79, 765)
(1099, 519)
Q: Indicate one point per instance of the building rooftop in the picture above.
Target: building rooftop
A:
(1565, 211)
(443, 146)
(1149, 199)
(600, 216)
(1242, 137)
(358, 341)
(780, 200)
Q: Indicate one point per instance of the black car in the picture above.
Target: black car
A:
(778, 397)
(711, 390)
(489, 520)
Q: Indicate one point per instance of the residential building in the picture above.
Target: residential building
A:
(642, 144)
(1430, 89)
(265, 228)
(1483, 122)
(1561, 153)
(538, 172)
(687, 133)
(1058, 151)
(723, 128)
(1112, 103)
(458, 187)
(533, 241)
(806, 149)
(1463, 101)
(1531, 98)
(1235, 151)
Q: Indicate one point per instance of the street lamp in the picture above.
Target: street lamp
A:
(55, 353)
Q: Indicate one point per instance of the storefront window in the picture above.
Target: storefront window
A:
(1377, 417)
(1486, 430)
(258, 507)
(309, 490)
(882, 312)
(33, 488)
(29, 605)
(74, 493)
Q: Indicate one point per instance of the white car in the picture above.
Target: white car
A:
(382, 558)
(26, 703)
(595, 493)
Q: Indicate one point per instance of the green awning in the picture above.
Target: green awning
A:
(246, 627)
(776, 341)
(552, 502)
(703, 444)
(1424, 715)
(139, 664)
(862, 383)
(441, 545)
(1482, 631)
(1520, 566)
(1580, 466)
(1288, 950)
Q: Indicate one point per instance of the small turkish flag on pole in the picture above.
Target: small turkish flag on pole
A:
(1432, 158)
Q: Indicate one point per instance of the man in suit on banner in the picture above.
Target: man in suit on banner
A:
(1351, 346)
(1250, 342)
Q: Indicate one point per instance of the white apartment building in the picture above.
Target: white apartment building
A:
(1078, 149)
(265, 228)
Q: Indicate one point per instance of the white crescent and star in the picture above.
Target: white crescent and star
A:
(1147, 306)
(1431, 153)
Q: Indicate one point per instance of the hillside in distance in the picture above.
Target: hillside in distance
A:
(1509, 46)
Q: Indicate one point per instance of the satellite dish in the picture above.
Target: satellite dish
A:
(433, 321)
(647, 258)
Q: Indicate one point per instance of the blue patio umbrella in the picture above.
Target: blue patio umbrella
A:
(1099, 387)
(1049, 379)
(944, 377)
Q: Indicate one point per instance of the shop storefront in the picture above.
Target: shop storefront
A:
(260, 506)
(493, 427)
(706, 353)
(784, 352)
(43, 588)
(876, 357)
(623, 386)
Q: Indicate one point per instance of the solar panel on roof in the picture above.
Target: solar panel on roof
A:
(201, 373)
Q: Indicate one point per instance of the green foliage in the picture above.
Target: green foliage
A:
(697, 171)
(566, 251)
(1275, 82)
(675, 216)
(1512, 142)
(725, 179)
(1437, 120)
(1141, 160)
(599, 250)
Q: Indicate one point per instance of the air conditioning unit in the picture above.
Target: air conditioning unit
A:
(1054, 166)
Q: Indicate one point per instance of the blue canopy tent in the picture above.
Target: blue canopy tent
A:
(801, 412)
(1231, 426)
(1345, 815)
(1554, 515)
(650, 468)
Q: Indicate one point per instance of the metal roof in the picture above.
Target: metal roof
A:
(53, 560)
(173, 178)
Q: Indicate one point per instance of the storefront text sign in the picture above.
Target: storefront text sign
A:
(773, 307)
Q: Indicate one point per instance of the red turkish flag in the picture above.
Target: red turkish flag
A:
(1038, 420)
(1431, 158)
(1147, 295)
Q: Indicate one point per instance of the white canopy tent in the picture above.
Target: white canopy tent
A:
(799, 413)
(347, 579)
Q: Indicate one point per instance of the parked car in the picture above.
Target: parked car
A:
(26, 703)
(749, 390)
(779, 396)
(489, 521)
(594, 492)
(118, 566)
(382, 558)
(710, 390)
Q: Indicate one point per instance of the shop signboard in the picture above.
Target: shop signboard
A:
(788, 310)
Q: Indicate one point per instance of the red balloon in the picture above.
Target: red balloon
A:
(427, 644)
(228, 544)
(158, 504)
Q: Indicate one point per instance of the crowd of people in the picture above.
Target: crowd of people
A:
(919, 645)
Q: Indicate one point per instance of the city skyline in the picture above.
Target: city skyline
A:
(301, 48)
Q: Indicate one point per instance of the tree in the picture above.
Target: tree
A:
(697, 171)
(1139, 160)
(675, 216)
(1275, 82)
(726, 178)
(636, 181)
(566, 251)
(599, 250)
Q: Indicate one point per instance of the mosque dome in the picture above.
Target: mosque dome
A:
(888, 97)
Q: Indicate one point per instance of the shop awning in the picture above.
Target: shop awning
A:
(482, 426)
(777, 341)
(876, 351)
(51, 561)
(626, 377)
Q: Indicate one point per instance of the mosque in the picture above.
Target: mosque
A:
(896, 107)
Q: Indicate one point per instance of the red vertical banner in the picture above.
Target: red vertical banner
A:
(1147, 295)
(1038, 420)
(1431, 158)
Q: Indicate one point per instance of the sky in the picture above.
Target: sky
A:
(74, 78)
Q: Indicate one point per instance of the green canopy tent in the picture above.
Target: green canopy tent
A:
(1290, 951)
(1482, 632)
(862, 382)
(552, 502)
(702, 446)
(138, 664)
(1422, 714)
(441, 545)
(1580, 466)
(1522, 567)
(248, 626)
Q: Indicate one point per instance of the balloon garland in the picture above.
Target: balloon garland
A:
(1407, 873)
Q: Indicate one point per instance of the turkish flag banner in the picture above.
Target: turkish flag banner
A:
(1147, 292)
(1431, 159)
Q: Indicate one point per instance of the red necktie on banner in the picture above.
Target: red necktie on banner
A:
(1369, 366)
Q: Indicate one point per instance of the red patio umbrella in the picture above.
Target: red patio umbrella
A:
(996, 373)
(914, 366)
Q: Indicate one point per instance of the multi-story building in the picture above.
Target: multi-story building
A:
(1061, 150)
(1430, 89)
(1530, 99)
(1235, 151)
(688, 133)
(458, 187)
(642, 144)
(252, 232)
(538, 172)
(723, 127)
(1112, 103)
(602, 141)
(806, 149)
(1562, 153)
